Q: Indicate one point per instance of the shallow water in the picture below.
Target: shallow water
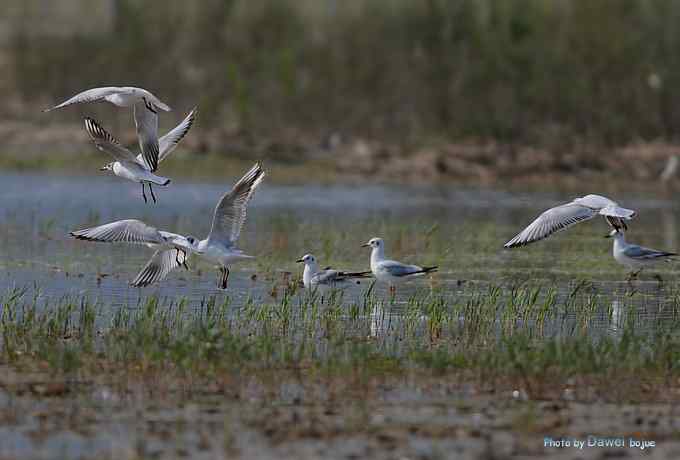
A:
(460, 229)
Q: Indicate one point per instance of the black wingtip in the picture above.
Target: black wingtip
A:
(431, 269)
(149, 106)
(83, 238)
(92, 126)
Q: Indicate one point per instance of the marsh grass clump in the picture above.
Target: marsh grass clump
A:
(526, 332)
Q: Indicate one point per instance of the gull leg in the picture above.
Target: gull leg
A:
(143, 194)
(220, 278)
(393, 290)
(225, 278)
(152, 195)
(184, 263)
(224, 275)
(658, 278)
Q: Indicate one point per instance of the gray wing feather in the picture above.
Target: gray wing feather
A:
(330, 277)
(551, 221)
(617, 211)
(122, 231)
(168, 142)
(594, 201)
(398, 269)
(150, 98)
(158, 267)
(107, 143)
(642, 253)
(327, 277)
(146, 122)
(230, 212)
(90, 95)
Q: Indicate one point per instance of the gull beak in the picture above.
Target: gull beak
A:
(103, 168)
(365, 245)
(608, 235)
(299, 261)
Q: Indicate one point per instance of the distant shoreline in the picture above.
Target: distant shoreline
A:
(205, 154)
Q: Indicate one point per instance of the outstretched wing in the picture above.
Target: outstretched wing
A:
(230, 212)
(551, 221)
(146, 122)
(90, 95)
(122, 231)
(168, 142)
(158, 267)
(107, 143)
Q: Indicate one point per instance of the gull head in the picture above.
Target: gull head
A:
(307, 259)
(107, 167)
(374, 243)
(193, 242)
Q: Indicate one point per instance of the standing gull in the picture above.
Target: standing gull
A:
(313, 276)
(566, 215)
(390, 271)
(140, 168)
(172, 250)
(122, 96)
(636, 257)
(220, 245)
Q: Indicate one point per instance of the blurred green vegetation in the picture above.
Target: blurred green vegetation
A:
(552, 73)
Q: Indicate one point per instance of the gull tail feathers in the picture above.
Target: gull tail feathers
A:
(367, 274)
(431, 269)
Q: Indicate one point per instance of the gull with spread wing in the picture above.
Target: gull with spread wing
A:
(566, 215)
(391, 271)
(140, 168)
(636, 257)
(220, 245)
(172, 250)
(313, 276)
(122, 96)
